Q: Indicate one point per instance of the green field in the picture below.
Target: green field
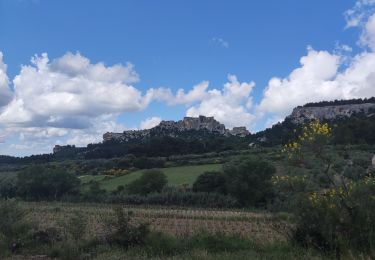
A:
(87, 178)
(175, 175)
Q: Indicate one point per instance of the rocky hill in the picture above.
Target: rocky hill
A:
(175, 129)
(331, 112)
(354, 122)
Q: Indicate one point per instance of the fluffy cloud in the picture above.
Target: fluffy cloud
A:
(368, 35)
(5, 93)
(311, 82)
(229, 105)
(320, 78)
(69, 91)
(72, 100)
(197, 93)
(150, 122)
(357, 15)
(69, 99)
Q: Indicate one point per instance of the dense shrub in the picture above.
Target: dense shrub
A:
(38, 182)
(148, 163)
(338, 219)
(123, 233)
(210, 182)
(150, 181)
(176, 197)
(14, 227)
(94, 192)
(338, 213)
(8, 188)
(249, 180)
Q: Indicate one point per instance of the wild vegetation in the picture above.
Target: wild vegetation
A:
(309, 198)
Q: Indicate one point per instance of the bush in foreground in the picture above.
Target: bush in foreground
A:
(150, 181)
(249, 180)
(210, 182)
(14, 227)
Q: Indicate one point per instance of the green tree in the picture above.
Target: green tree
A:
(151, 181)
(249, 180)
(38, 182)
(210, 182)
(337, 214)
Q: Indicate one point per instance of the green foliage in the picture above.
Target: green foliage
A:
(94, 192)
(8, 188)
(148, 163)
(123, 233)
(160, 244)
(334, 208)
(151, 181)
(210, 182)
(14, 228)
(175, 175)
(76, 226)
(189, 142)
(38, 182)
(176, 197)
(338, 219)
(249, 180)
(358, 129)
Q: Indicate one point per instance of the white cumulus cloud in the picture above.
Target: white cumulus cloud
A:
(150, 122)
(310, 82)
(69, 91)
(320, 78)
(5, 92)
(229, 105)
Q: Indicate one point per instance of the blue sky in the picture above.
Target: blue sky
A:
(172, 45)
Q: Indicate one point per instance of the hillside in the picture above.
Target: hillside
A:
(353, 122)
(176, 129)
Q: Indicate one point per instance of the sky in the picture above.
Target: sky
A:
(72, 70)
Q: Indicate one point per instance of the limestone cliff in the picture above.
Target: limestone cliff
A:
(328, 113)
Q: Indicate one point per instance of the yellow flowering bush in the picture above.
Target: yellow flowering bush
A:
(116, 172)
(313, 137)
(335, 214)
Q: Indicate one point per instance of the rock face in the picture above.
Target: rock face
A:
(194, 123)
(302, 114)
(61, 148)
(173, 128)
(239, 131)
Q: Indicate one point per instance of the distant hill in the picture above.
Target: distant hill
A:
(188, 126)
(354, 122)
(341, 102)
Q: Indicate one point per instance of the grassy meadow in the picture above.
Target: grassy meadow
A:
(176, 176)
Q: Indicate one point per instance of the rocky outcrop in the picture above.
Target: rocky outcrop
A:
(302, 114)
(126, 135)
(239, 131)
(173, 128)
(62, 148)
